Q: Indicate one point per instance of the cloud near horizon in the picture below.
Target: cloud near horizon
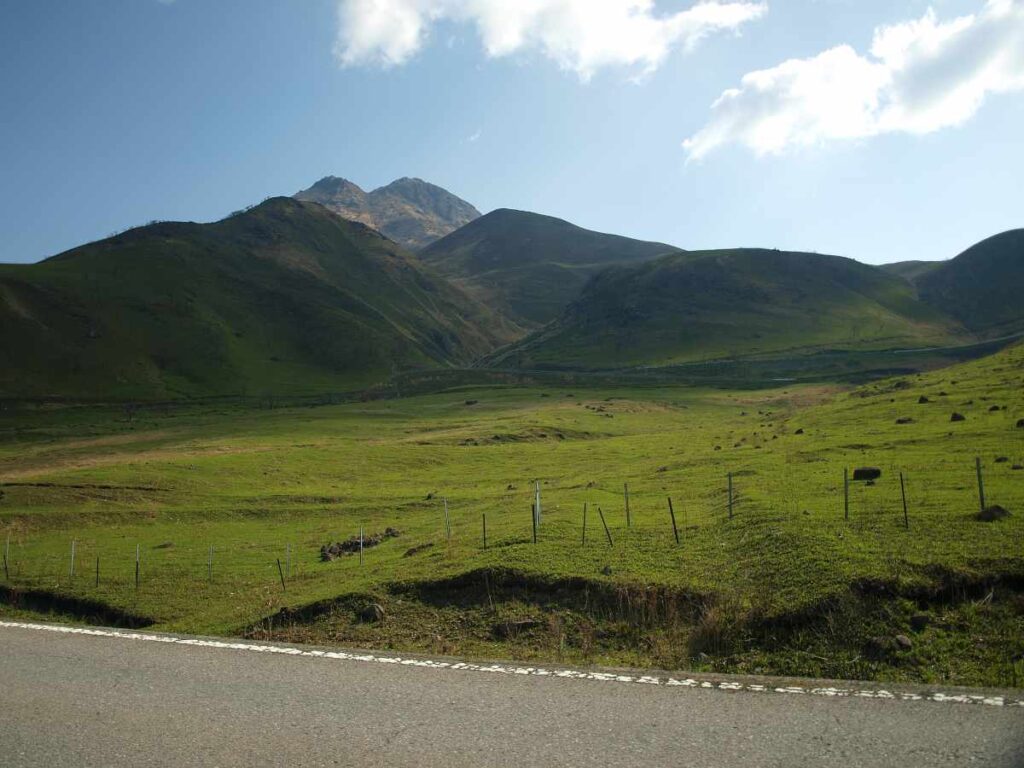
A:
(582, 36)
(920, 76)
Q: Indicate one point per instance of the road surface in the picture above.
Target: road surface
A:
(137, 699)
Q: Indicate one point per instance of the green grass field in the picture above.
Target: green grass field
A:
(787, 585)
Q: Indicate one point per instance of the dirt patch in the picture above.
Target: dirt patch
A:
(354, 545)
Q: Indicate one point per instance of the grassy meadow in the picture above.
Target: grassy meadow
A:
(787, 585)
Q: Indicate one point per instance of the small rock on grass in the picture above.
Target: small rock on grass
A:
(919, 621)
(991, 514)
(958, 417)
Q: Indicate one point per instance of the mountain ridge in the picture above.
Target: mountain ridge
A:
(412, 212)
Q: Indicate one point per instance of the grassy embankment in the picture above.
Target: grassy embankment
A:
(786, 586)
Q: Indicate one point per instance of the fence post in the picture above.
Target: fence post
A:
(7, 558)
(484, 516)
(606, 531)
(903, 493)
(981, 483)
(97, 570)
(625, 492)
(584, 542)
(447, 522)
(136, 567)
(71, 571)
(360, 545)
(846, 493)
(672, 513)
(730, 495)
(280, 572)
(533, 516)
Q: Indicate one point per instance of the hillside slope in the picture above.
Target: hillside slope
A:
(285, 298)
(530, 266)
(718, 304)
(983, 287)
(412, 212)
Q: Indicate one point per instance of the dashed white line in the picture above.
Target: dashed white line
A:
(510, 669)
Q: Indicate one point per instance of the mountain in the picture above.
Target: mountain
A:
(983, 287)
(529, 266)
(411, 212)
(707, 305)
(910, 270)
(284, 298)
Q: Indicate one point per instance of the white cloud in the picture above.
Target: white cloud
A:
(919, 77)
(580, 35)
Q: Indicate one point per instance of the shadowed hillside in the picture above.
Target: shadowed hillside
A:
(528, 265)
(719, 304)
(285, 298)
(983, 287)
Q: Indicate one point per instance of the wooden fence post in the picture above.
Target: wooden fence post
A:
(672, 513)
(846, 493)
(981, 483)
(903, 493)
(584, 542)
(136, 567)
(533, 517)
(605, 524)
(484, 517)
(280, 572)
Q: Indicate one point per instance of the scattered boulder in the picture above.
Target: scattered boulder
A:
(417, 549)
(472, 402)
(905, 420)
(958, 417)
(663, 469)
(1020, 423)
(867, 473)
(372, 613)
(991, 514)
(993, 408)
(903, 642)
(922, 400)
(880, 648)
(799, 431)
(1017, 466)
(1001, 459)
(920, 621)
(330, 552)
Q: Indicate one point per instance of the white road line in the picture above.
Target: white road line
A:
(509, 669)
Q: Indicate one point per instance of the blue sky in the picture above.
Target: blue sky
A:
(116, 112)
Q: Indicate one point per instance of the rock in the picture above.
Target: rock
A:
(372, 613)
(1001, 459)
(880, 648)
(663, 469)
(1020, 423)
(430, 496)
(919, 621)
(958, 417)
(867, 473)
(905, 420)
(1017, 466)
(417, 549)
(991, 514)
(922, 400)
(904, 642)
(472, 402)
(799, 432)
(993, 408)
(510, 487)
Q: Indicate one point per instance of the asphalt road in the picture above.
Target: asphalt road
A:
(78, 700)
